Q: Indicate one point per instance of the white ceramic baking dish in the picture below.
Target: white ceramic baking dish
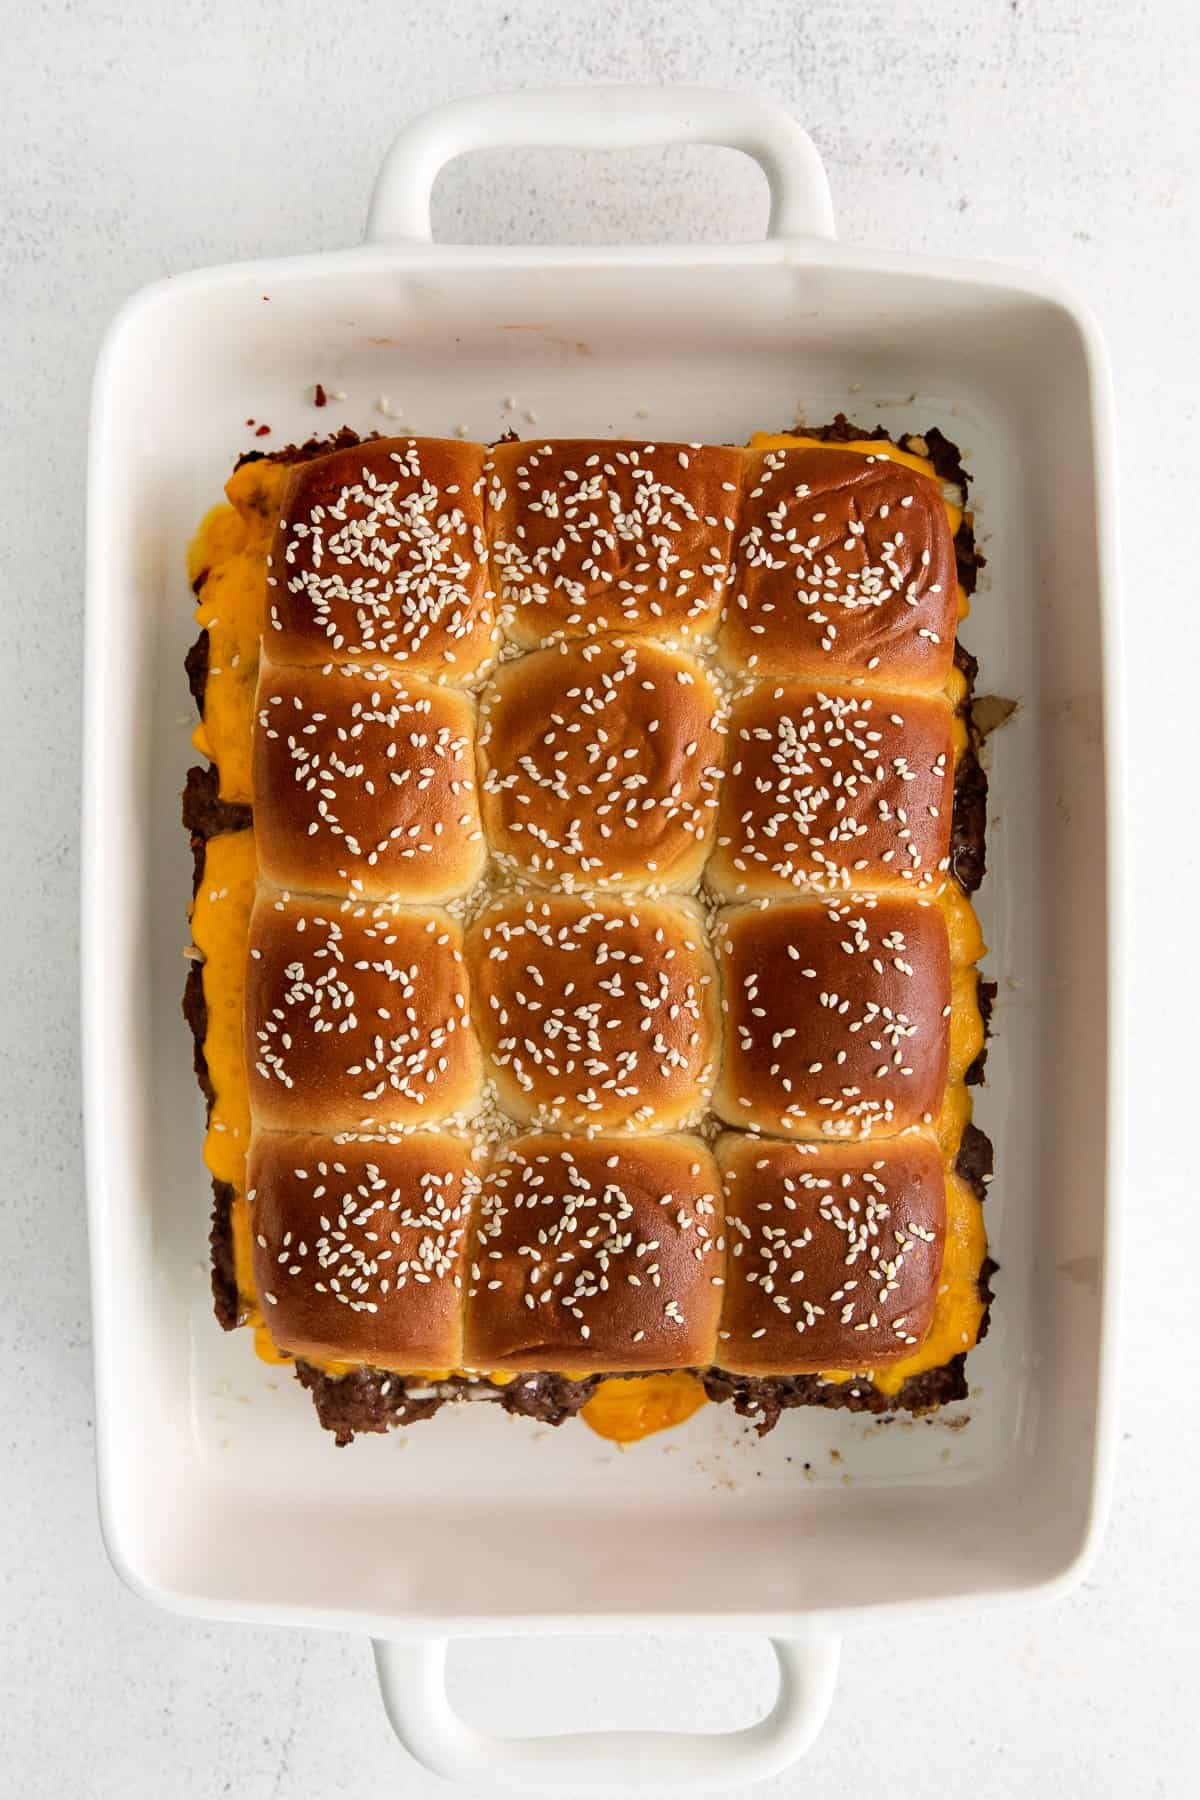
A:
(219, 1495)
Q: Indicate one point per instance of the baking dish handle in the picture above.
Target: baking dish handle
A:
(412, 1677)
(601, 118)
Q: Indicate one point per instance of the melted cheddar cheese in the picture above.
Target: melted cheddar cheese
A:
(956, 689)
(249, 1311)
(629, 1408)
(221, 928)
(966, 1024)
(230, 552)
(962, 925)
(227, 560)
(953, 1120)
(220, 535)
(266, 1349)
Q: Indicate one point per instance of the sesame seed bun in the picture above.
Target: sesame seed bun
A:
(356, 1016)
(596, 1013)
(843, 565)
(364, 785)
(600, 765)
(837, 1016)
(358, 1246)
(379, 557)
(596, 1253)
(589, 536)
(831, 788)
(835, 1251)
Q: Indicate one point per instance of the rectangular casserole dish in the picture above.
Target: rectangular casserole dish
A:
(217, 1497)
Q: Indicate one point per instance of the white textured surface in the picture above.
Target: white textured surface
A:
(141, 140)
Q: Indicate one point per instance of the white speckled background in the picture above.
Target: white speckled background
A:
(141, 139)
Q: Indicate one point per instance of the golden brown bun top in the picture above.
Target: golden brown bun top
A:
(835, 1251)
(364, 785)
(836, 1015)
(596, 1254)
(592, 536)
(357, 1016)
(600, 764)
(596, 1012)
(379, 557)
(828, 789)
(844, 566)
(358, 1245)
